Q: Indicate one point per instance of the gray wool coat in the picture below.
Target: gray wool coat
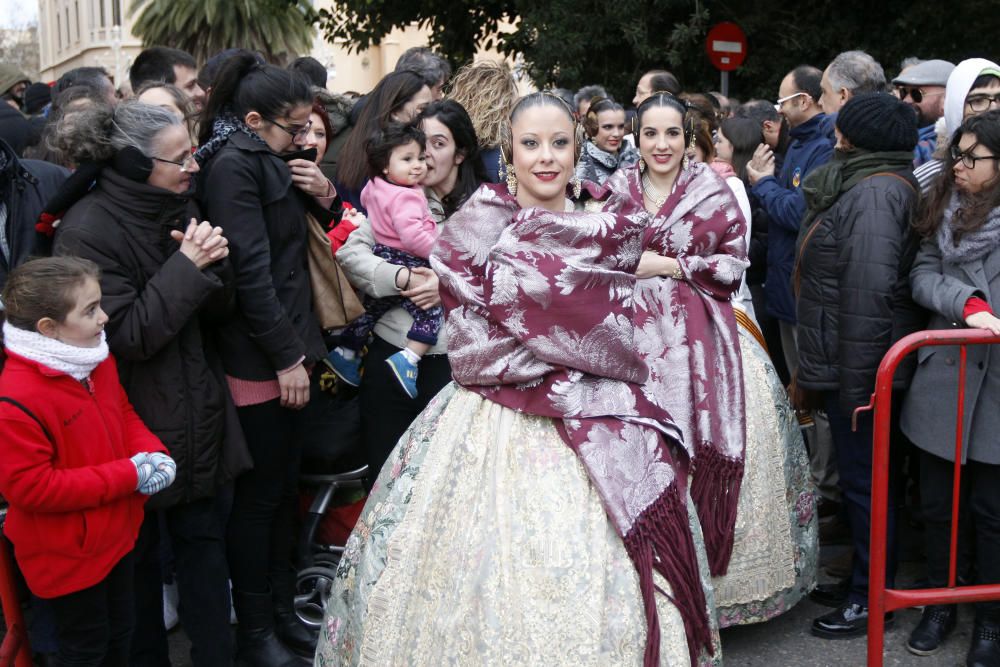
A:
(931, 405)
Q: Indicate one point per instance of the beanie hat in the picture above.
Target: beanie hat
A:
(878, 122)
(36, 96)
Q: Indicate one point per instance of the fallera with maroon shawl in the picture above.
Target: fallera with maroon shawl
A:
(540, 319)
(687, 334)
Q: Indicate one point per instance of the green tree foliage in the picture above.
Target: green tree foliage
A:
(571, 43)
(277, 28)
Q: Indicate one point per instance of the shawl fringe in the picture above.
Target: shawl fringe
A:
(661, 541)
(715, 490)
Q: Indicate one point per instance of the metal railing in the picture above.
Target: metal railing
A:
(880, 599)
(14, 650)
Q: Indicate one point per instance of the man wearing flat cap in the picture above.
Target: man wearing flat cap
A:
(922, 87)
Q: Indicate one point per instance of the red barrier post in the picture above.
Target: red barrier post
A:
(15, 649)
(880, 599)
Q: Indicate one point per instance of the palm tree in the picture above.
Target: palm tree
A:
(279, 29)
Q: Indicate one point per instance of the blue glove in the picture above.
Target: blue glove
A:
(164, 474)
(143, 469)
(163, 462)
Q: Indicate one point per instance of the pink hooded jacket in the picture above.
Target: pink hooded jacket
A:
(400, 216)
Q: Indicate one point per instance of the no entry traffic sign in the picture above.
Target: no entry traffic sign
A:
(726, 45)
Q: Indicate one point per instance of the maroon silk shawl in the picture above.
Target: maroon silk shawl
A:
(686, 333)
(540, 309)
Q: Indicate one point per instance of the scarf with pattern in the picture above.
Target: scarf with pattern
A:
(540, 319)
(224, 125)
(687, 334)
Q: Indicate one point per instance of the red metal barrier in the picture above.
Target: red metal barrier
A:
(14, 650)
(880, 599)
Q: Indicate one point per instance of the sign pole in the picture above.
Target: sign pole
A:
(726, 45)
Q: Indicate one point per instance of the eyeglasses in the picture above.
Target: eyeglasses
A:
(916, 94)
(296, 132)
(982, 101)
(782, 100)
(186, 164)
(967, 159)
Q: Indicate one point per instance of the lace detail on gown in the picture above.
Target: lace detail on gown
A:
(485, 544)
(776, 549)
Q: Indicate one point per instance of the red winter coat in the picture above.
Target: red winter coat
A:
(74, 511)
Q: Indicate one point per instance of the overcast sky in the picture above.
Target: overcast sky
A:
(18, 13)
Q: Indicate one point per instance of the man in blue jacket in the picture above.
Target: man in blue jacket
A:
(811, 146)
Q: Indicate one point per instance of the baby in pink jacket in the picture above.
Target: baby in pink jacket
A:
(404, 232)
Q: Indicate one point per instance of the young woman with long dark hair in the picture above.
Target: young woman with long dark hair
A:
(399, 97)
(255, 186)
(956, 276)
(454, 172)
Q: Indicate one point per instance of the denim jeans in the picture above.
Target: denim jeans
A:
(854, 463)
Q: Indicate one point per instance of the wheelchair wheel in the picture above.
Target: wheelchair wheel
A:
(312, 588)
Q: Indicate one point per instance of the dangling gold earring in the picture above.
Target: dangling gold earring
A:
(511, 180)
(642, 164)
(690, 149)
(577, 186)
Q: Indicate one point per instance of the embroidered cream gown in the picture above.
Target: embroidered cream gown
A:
(483, 543)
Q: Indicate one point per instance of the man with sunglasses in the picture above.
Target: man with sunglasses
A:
(922, 87)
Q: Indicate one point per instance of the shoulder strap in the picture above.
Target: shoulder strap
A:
(25, 410)
(902, 178)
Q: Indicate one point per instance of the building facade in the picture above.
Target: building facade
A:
(85, 33)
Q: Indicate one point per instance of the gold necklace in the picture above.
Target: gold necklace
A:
(652, 193)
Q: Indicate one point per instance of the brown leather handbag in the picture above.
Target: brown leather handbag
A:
(334, 301)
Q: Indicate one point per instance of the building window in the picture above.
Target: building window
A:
(76, 8)
(104, 20)
(66, 21)
(116, 11)
(59, 30)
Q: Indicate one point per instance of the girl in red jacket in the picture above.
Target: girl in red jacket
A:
(76, 462)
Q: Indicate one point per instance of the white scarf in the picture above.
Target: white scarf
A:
(77, 362)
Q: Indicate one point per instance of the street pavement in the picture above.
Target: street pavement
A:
(786, 642)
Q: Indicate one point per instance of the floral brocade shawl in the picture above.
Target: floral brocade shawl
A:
(540, 319)
(687, 334)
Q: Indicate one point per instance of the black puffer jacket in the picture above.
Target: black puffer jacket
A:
(155, 298)
(247, 190)
(853, 288)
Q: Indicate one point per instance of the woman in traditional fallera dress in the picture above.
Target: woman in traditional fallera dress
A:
(717, 381)
(537, 511)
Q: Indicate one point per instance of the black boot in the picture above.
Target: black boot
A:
(935, 625)
(256, 643)
(985, 648)
(287, 625)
